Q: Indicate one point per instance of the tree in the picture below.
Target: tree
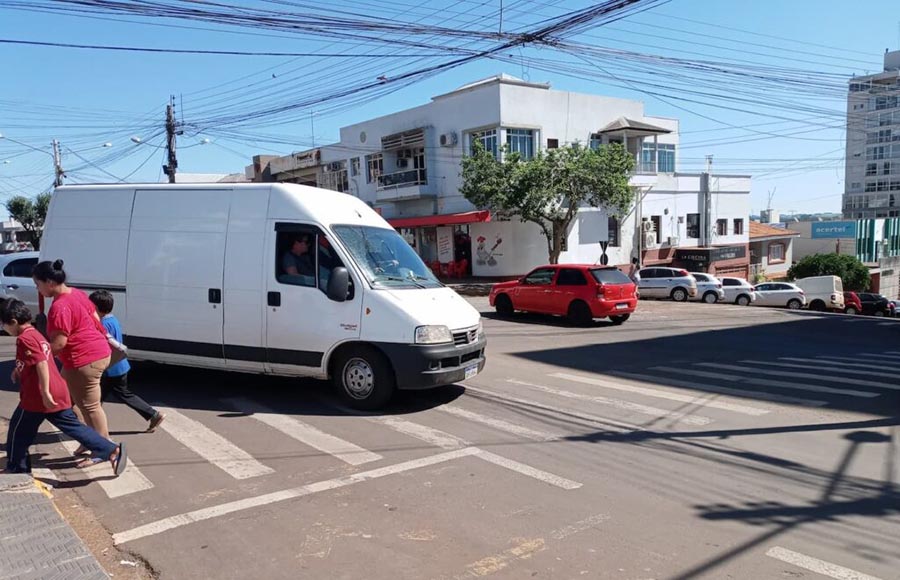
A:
(549, 189)
(854, 274)
(30, 214)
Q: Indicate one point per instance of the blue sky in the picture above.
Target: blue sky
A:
(790, 142)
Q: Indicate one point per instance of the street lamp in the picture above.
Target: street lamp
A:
(137, 140)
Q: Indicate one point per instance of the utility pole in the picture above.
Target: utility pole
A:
(57, 164)
(172, 165)
(705, 205)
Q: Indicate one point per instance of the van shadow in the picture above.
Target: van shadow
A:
(528, 318)
(838, 362)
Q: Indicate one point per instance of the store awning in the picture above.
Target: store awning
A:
(451, 219)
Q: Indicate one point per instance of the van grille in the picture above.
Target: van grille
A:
(464, 337)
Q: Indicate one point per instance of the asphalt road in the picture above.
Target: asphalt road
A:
(695, 441)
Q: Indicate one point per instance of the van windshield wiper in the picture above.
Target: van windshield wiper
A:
(414, 280)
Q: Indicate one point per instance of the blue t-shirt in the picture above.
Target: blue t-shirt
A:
(112, 326)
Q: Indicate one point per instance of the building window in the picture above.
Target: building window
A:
(520, 141)
(666, 154)
(657, 226)
(612, 225)
(871, 168)
(722, 227)
(738, 227)
(776, 253)
(334, 177)
(354, 167)
(488, 140)
(595, 141)
(693, 225)
(552, 143)
(374, 166)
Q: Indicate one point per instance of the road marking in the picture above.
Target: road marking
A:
(211, 446)
(580, 526)
(306, 434)
(857, 361)
(523, 469)
(422, 433)
(619, 404)
(766, 382)
(860, 382)
(815, 565)
(499, 424)
(822, 366)
(727, 391)
(826, 361)
(131, 480)
(893, 358)
(172, 522)
(694, 399)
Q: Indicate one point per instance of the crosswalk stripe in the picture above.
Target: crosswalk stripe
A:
(619, 404)
(523, 469)
(894, 358)
(860, 382)
(499, 424)
(816, 565)
(422, 432)
(858, 362)
(661, 394)
(211, 446)
(727, 391)
(305, 433)
(131, 480)
(821, 366)
(766, 382)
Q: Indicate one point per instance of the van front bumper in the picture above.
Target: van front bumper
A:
(424, 366)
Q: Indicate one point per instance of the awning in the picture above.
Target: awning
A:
(451, 219)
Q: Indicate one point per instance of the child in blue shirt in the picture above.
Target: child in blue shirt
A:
(115, 379)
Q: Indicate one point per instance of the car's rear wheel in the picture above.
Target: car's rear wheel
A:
(742, 300)
(794, 304)
(504, 305)
(710, 297)
(851, 310)
(620, 319)
(580, 313)
(879, 313)
(679, 295)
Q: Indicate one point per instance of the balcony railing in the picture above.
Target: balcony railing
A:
(403, 179)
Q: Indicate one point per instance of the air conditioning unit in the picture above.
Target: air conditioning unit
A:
(650, 239)
(673, 241)
(403, 163)
(448, 139)
(648, 226)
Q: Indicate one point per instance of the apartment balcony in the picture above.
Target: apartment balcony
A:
(404, 185)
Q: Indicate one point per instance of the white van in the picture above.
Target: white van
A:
(197, 272)
(823, 292)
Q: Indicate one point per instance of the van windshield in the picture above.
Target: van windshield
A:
(385, 257)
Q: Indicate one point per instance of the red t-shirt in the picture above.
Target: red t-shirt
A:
(32, 348)
(72, 314)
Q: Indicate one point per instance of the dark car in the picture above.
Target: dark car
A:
(852, 303)
(875, 304)
(581, 292)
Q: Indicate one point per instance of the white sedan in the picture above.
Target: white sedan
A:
(738, 291)
(780, 294)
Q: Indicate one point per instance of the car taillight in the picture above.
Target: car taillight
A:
(683, 273)
(801, 292)
(600, 290)
(718, 285)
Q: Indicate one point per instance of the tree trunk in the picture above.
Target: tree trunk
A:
(556, 243)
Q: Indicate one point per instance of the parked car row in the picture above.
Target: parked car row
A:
(869, 304)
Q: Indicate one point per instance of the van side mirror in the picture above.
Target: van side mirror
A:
(338, 284)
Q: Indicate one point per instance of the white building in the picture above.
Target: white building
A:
(407, 166)
(872, 178)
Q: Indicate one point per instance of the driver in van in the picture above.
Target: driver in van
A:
(298, 261)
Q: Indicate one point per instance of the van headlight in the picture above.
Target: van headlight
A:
(434, 334)
(480, 329)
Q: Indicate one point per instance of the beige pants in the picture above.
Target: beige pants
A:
(84, 386)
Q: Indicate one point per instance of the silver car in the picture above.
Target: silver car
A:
(709, 288)
(738, 291)
(780, 294)
(663, 282)
(15, 278)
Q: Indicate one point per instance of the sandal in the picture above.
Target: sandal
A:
(88, 462)
(82, 450)
(120, 461)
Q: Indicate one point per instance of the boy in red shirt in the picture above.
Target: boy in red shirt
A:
(43, 394)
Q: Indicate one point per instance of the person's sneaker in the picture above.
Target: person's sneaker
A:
(155, 421)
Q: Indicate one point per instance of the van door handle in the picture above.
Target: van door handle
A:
(215, 296)
(274, 298)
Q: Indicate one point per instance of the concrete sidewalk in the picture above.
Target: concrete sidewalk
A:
(35, 541)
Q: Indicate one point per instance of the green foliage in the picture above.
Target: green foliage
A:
(853, 274)
(550, 188)
(30, 214)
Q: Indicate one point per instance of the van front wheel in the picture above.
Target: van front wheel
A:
(363, 377)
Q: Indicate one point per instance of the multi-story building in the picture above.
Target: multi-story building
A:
(872, 178)
(407, 165)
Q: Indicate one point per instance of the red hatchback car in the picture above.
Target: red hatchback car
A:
(582, 292)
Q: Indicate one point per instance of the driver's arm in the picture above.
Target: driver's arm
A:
(289, 266)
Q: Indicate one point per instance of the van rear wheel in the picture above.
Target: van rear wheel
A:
(363, 377)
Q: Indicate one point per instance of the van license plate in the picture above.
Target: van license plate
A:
(471, 371)
(622, 306)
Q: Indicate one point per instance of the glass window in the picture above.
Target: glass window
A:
(776, 253)
(295, 258)
(700, 277)
(570, 277)
(648, 273)
(542, 277)
(657, 226)
(738, 227)
(666, 154)
(612, 225)
(552, 143)
(374, 166)
(722, 227)
(354, 167)
(334, 177)
(520, 141)
(385, 258)
(648, 158)
(20, 268)
(730, 282)
(693, 225)
(595, 141)
(610, 276)
(488, 140)
(871, 168)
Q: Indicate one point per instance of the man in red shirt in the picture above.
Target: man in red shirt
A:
(43, 394)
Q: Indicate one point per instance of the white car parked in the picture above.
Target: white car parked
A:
(709, 288)
(780, 294)
(15, 278)
(738, 291)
